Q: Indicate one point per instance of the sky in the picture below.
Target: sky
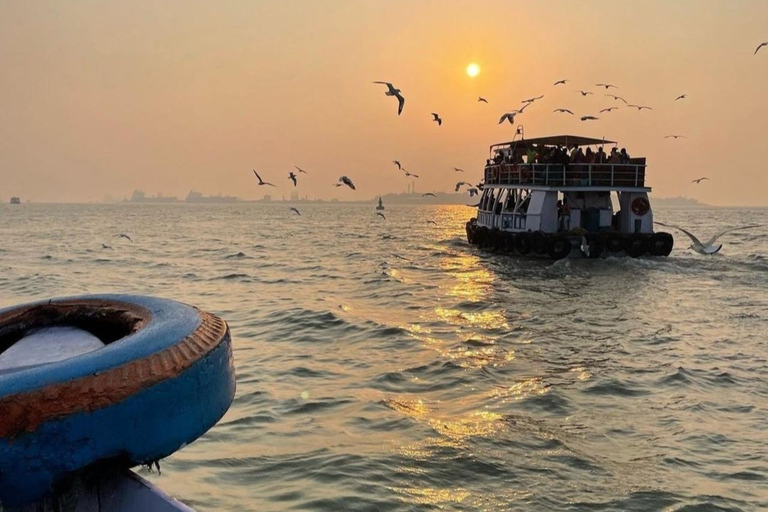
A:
(101, 98)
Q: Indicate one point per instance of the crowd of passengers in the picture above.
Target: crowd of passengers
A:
(560, 155)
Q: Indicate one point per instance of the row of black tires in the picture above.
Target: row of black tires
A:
(558, 246)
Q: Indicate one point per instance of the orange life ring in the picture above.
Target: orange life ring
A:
(640, 206)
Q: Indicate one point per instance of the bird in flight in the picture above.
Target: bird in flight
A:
(123, 235)
(292, 176)
(431, 222)
(458, 170)
(261, 181)
(707, 247)
(560, 82)
(397, 163)
(607, 86)
(392, 91)
(300, 169)
(472, 192)
(681, 97)
(480, 98)
(760, 46)
(589, 118)
(346, 181)
(563, 110)
(616, 97)
(437, 119)
(295, 210)
(675, 137)
(410, 174)
(105, 246)
(428, 194)
(381, 215)
(584, 93)
(608, 109)
(508, 116)
(699, 180)
(531, 100)
(640, 107)
(459, 184)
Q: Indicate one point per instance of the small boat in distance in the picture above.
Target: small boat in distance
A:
(15, 200)
(554, 204)
(381, 204)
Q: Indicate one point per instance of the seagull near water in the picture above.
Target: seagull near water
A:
(123, 235)
(472, 192)
(531, 100)
(458, 170)
(709, 246)
(437, 119)
(397, 163)
(589, 118)
(346, 181)
(105, 246)
(407, 174)
(616, 97)
(699, 180)
(481, 99)
(640, 107)
(392, 91)
(428, 194)
(508, 116)
(607, 86)
(381, 215)
(559, 82)
(295, 210)
(292, 176)
(300, 169)
(681, 97)
(459, 185)
(608, 109)
(563, 111)
(584, 93)
(760, 46)
(261, 181)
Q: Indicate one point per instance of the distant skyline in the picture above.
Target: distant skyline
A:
(103, 98)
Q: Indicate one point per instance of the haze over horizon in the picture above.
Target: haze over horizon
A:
(101, 99)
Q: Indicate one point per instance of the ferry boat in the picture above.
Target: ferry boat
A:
(381, 204)
(562, 209)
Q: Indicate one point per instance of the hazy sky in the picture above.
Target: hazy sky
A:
(102, 98)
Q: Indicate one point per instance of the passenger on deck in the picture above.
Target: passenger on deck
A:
(589, 156)
(600, 157)
(624, 156)
(577, 156)
(615, 157)
(564, 217)
(531, 156)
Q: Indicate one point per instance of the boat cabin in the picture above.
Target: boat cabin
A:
(564, 183)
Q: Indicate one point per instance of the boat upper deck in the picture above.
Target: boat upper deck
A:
(560, 162)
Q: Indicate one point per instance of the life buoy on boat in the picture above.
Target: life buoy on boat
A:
(636, 245)
(523, 243)
(661, 244)
(640, 206)
(560, 247)
(162, 378)
(615, 242)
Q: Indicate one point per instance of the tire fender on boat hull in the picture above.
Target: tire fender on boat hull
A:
(140, 398)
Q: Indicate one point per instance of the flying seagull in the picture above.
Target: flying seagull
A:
(292, 176)
(699, 180)
(675, 137)
(589, 118)
(616, 97)
(560, 82)
(708, 247)
(123, 235)
(640, 107)
(584, 93)
(563, 110)
(437, 119)
(346, 181)
(472, 192)
(397, 163)
(428, 194)
(760, 46)
(381, 215)
(458, 170)
(300, 169)
(392, 91)
(295, 210)
(607, 86)
(431, 222)
(608, 109)
(480, 98)
(681, 97)
(261, 181)
(459, 184)
(410, 174)
(508, 116)
(531, 100)
(105, 246)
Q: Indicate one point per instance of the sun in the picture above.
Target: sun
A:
(473, 70)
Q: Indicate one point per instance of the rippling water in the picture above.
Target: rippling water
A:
(387, 365)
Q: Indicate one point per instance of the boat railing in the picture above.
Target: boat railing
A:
(503, 220)
(570, 175)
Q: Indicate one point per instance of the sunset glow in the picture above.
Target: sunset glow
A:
(473, 70)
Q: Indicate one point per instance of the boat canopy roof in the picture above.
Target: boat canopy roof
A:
(568, 141)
